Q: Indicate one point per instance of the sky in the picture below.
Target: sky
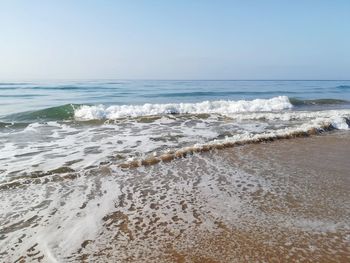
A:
(174, 39)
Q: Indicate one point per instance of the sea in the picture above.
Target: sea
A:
(55, 136)
(77, 124)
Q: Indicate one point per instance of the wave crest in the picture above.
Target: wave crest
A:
(219, 107)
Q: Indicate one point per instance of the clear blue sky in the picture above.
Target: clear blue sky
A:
(175, 39)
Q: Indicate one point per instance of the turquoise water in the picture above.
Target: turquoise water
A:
(32, 96)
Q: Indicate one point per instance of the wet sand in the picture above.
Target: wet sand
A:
(284, 201)
(273, 202)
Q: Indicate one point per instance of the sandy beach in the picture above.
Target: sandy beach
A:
(271, 202)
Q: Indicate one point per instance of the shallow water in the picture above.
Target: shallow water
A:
(75, 125)
(266, 202)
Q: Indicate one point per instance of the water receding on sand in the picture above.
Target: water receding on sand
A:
(253, 202)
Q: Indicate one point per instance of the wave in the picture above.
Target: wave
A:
(305, 130)
(79, 112)
(13, 83)
(211, 107)
(82, 88)
(343, 87)
(64, 112)
(217, 93)
(335, 120)
(300, 102)
(4, 124)
(22, 95)
(91, 88)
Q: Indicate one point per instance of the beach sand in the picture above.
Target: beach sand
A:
(284, 201)
(272, 202)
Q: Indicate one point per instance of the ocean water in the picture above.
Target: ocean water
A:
(76, 158)
(74, 125)
(31, 96)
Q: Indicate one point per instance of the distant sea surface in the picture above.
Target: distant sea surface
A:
(18, 97)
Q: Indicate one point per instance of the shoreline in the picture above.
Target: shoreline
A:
(280, 201)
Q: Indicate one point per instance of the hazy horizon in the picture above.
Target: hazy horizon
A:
(18, 80)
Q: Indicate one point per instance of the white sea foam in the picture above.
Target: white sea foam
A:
(340, 123)
(56, 206)
(62, 222)
(304, 116)
(220, 107)
(47, 146)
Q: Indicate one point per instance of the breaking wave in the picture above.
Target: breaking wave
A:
(78, 112)
(211, 107)
(63, 112)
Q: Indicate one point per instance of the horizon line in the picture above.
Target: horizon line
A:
(154, 79)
